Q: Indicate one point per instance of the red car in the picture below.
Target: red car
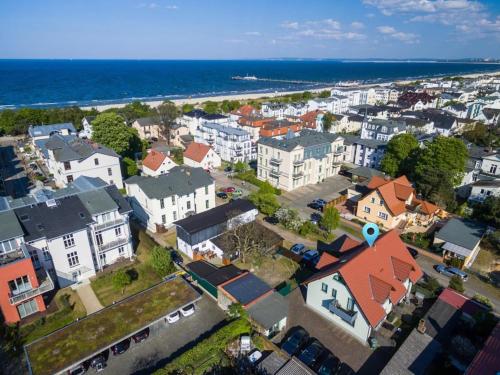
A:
(229, 189)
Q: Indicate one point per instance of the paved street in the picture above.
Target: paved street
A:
(171, 339)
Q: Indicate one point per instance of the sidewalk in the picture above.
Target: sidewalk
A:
(89, 299)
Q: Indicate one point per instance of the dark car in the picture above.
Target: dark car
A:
(344, 369)
(311, 353)
(141, 336)
(228, 169)
(98, 363)
(271, 220)
(176, 257)
(293, 344)
(78, 370)
(121, 347)
(315, 206)
(222, 195)
(315, 218)
(328, 365)
(319, 201)
(413, 252)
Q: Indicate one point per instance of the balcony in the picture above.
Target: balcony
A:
(298, 162)
(274, 173)
(46, 285)
(111, 245)
(297, 175)
(338, 151)
(348, 316)
(108, 224)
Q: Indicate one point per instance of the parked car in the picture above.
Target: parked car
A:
(98, 363)
(222, 195)
(78, 370)
(413, 252)
(174, 317)
(298, 248)
(328, 365)
(176, 257)
(245, 343)
(315, 206)
(237, 192)
(459, 273)
(271, 220)
(311, 353)
(315, 218)
(443, 270)
(319, 201)
(187, 310)
(141, 336)
(295, 341)
(121, 347)
(311, 256)
(229, 189)
(254, 356)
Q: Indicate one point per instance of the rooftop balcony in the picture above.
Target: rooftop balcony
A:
(46, 285)
(348, 316)
(113, 244)
(108, 224)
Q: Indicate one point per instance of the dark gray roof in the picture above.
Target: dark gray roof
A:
(213, 274)
(213, 116)
(225, 129)
(247, 288)
(178, 181)
(269, 310)
(9, 225)
(97, 201)
(75, 149)
(462, 232)
(295, 367)
(121, 202)
(195, 113)
(41, 144)
(272, 363)
(46, 130)
(365, 172)
(146, 121)
(487, 183)
(215, 216)
(306, 138)
(372, 143)
(66, 216)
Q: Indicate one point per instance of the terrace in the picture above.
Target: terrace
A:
(83, 339)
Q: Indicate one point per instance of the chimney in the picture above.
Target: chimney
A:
(421, 326)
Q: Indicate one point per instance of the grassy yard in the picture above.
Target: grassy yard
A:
(272, 269)
(143, 275)
(81, 339)
(484, 261)
(67, 313)
(351, 230)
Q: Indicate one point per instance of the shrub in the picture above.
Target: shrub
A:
(432, 285)
(306, 228)
(417, 239)
(483, 299)
(249, 176)
(240, 167)
(130, 167)
(456, 262)
(456, 283)
(161, 261)
(121, 279)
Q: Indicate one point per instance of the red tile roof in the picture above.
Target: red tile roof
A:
(245, 110)
(461, 302)
(154, 159)
(326, 260)
(370, 271)
(309, 118)
(196, 151)
(487, 361)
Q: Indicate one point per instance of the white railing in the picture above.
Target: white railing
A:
(109, 224)
(111, 245)
(46, 286)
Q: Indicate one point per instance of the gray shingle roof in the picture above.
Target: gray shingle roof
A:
(46, 130)
(269, 310)
(365, 172)
(372, 143)
(75, 149)
(9, 225)
(146, 121)
(225, 129)
(97, 201)
(461, 232)
(178, 181)
(306, 138)
(247, 288)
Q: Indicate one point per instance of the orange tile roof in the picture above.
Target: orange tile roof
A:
(255, 122)
(372, 274)
(154, 159)
(282, 130)
(325, 260)
(394, 192)
(426, 207)
(245, 110)
(375, 182)
(196, 151)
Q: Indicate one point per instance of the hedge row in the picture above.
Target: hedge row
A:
(249, 176)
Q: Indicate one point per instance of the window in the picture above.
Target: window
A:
(67, 165)
(367, 209)
(162, 203)
(175, 215)
(69, 241)
(493, 169)
(118, 231)
(324, 288)
(350, 304)
(34, 259)
(27, 308)
(8, 246)
(69, 178)
(163, 219)
(373, 200)
(110, 172)
(206, 190)
(482, 191)
(381, 202)
(121, 250)
(188, 205)
(96, 161)
(382, 215)
(173, 199)
(73, 259)
(46, 254)
(334, 293)
(19, 285)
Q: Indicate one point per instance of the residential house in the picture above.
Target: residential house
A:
(86, 132)
(192, 119)
(482, 189)
(355, 123)
(253, 124)
(487, 361)
(246, 110)
(194, 233)
(460, 238)
(357, 290)
(199, 155)
(293, 162)
(363, 152)
(382, 130)
(444, 124)
(161, 200)
(279, 128)
(491, 164)
(178, 135)
(69, 159)
(313, 120)
(37, 132)
(361, 174)
(232, 144)
(393, 203)
(295, 109)
(456, 109)
(148, 128)
(276, 110)
(157, 163)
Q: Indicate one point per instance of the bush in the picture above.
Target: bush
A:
(249, 176)
(456, 262)
(483, 300)
(121, 279)
(457, 284)
(417, 239)
(289, 218)
(130, 167)
(432, 285)
(240, 167)
(306, 228)
(161, 261)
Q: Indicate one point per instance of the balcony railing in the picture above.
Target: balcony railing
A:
(45, 286)
(274, 173)
(111, 245)
(275, 161)
(297, 174)
(109, 224)
(338, 151)
(347, 315)
(298, 162)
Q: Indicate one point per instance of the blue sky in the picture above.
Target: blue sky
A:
(220, 29)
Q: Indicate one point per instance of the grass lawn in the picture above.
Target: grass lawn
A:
(143, 275)
(272, 269)
(81, 339)
(351, 230)
(484, 261)
(66, 314)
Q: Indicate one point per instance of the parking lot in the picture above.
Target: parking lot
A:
(167, 342)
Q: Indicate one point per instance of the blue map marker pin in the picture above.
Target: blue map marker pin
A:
(370, 233)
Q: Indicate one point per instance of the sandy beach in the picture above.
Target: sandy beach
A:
(250, 96)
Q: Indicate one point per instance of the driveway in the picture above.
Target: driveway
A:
(168, 341)
(15, 182)
(88, 297)
(301, 197)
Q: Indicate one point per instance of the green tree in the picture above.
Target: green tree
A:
(457, 284)
(134, 110)
(488, 211)
(306, 228)
(229, 105)
(399, 156)
(327, 121)
(109, 129)
(211, 107)
(121, 279)
(482, 135)
(307, 95)
(236, 310)
(240, 167)
(130, 166)
(166, 114)
(330, 219)
(187, 107)
(267, 203)
(324, 94)
(161, 261)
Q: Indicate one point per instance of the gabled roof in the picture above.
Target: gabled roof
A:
(269, 310)
(10, 226)
(196, 151)
(245, 110)
(146, 121)
(154, 159)
(393, 192)
(195, 113)
(305, 139)
(65, 149)
(373, 274)
(47, 130)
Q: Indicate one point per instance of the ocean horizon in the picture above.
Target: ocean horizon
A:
(56, 83)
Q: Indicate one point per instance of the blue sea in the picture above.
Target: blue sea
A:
(52, 83)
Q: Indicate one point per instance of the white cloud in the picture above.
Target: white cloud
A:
(290, 25)
(253, 33)
(392, 33)
(172, 7)
(325, 29)
(357, 25)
